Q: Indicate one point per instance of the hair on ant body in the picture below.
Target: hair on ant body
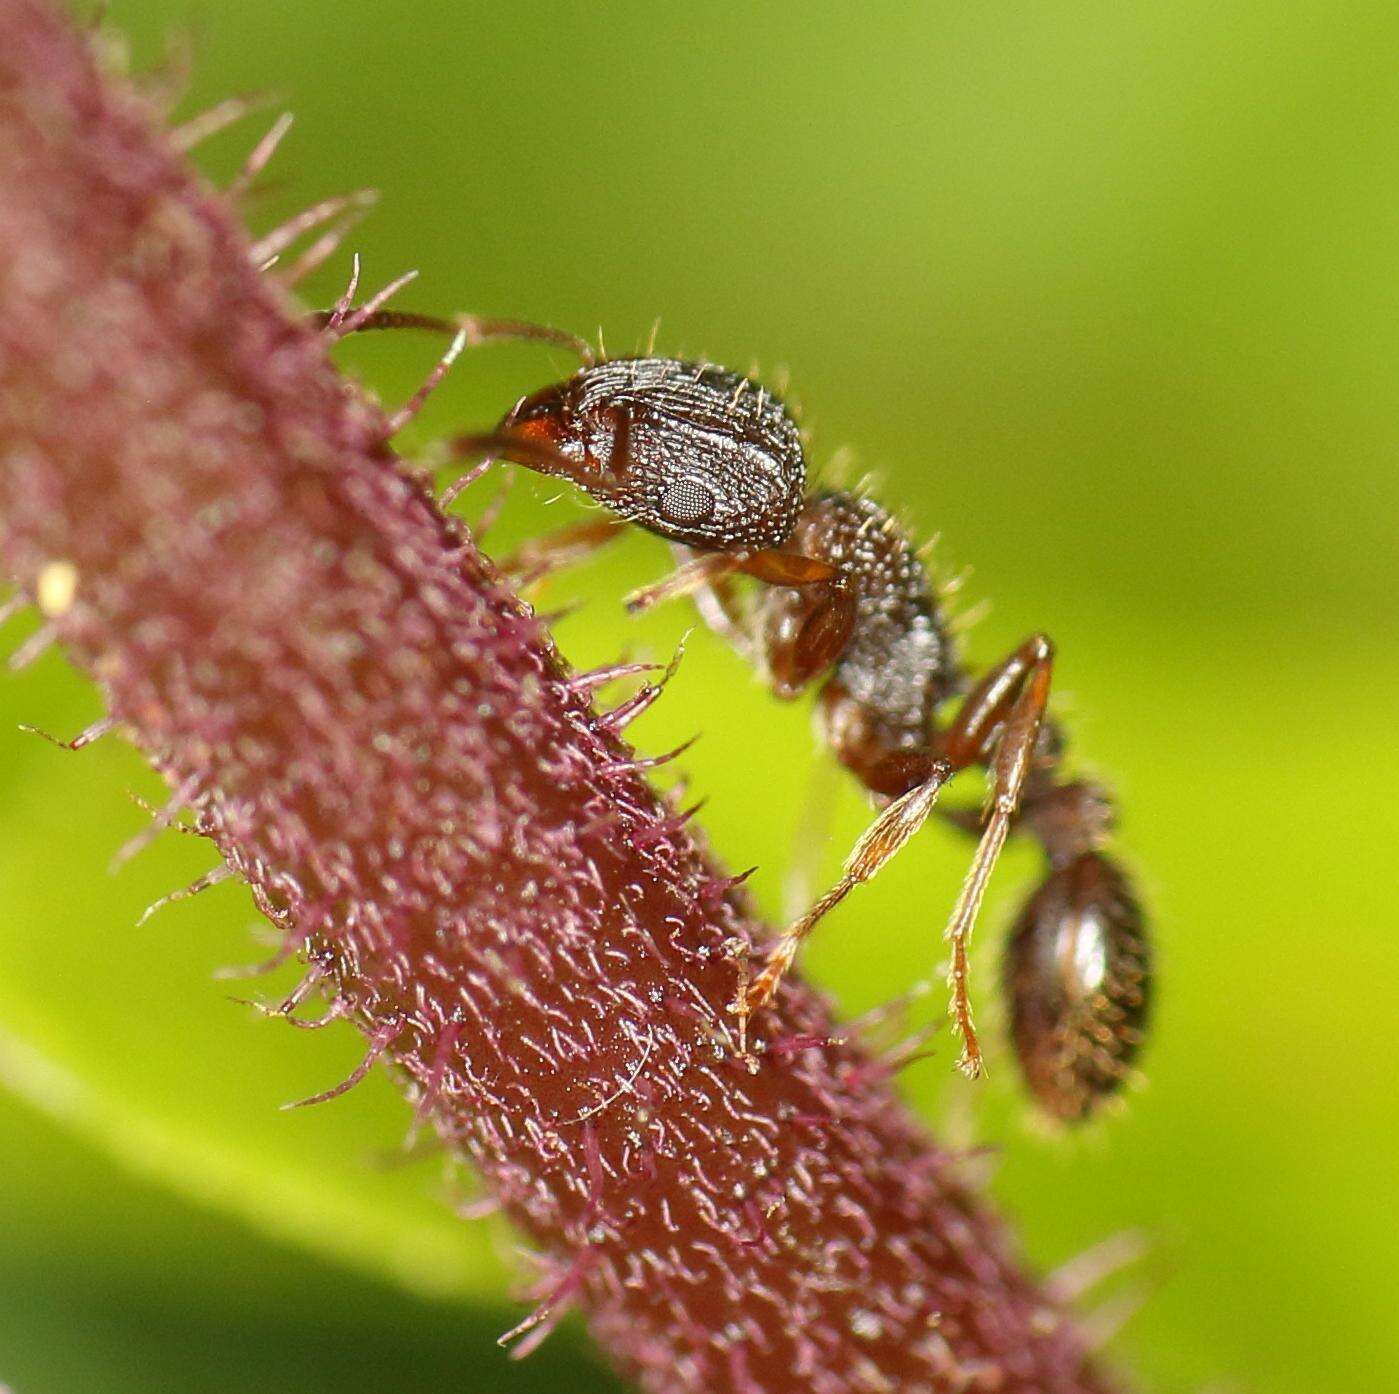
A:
(713, 462)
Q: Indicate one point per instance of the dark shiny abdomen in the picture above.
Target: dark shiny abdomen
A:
(1077, 976)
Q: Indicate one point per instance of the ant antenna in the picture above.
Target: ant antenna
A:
(476, 328)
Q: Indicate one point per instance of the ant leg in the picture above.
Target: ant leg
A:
(696, 574)
(776, 568)
(542, 556)
(773, 567)
(881, 841)
(720, 608)
(477, 328)
(1007, 706)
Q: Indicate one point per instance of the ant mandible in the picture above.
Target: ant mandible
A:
(712, 461)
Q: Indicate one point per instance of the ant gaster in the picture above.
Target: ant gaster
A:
(713, 462)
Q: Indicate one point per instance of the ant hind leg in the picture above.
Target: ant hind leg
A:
(1011, 697)
(998, 724)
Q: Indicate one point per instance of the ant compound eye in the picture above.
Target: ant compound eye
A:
(687, 502)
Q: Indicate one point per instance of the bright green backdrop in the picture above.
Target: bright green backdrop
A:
(1107, 293)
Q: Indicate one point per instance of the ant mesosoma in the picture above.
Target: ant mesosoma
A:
(713, 462)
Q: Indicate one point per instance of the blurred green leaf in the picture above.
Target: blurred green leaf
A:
(122, 1034)
(200, 1302)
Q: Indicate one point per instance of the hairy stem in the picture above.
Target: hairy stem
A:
(383, 743)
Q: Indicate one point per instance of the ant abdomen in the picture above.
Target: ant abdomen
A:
(1077, 978)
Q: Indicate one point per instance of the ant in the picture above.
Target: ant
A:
(713, 462)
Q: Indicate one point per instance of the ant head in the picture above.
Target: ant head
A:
(694, 453)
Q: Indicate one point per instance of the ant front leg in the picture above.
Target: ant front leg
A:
(722, 609)
(999, 722)
(772, 567)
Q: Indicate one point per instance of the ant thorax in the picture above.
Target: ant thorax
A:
(691, 451)
(898, 664)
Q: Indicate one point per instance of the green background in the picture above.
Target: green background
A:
(1106, 294)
